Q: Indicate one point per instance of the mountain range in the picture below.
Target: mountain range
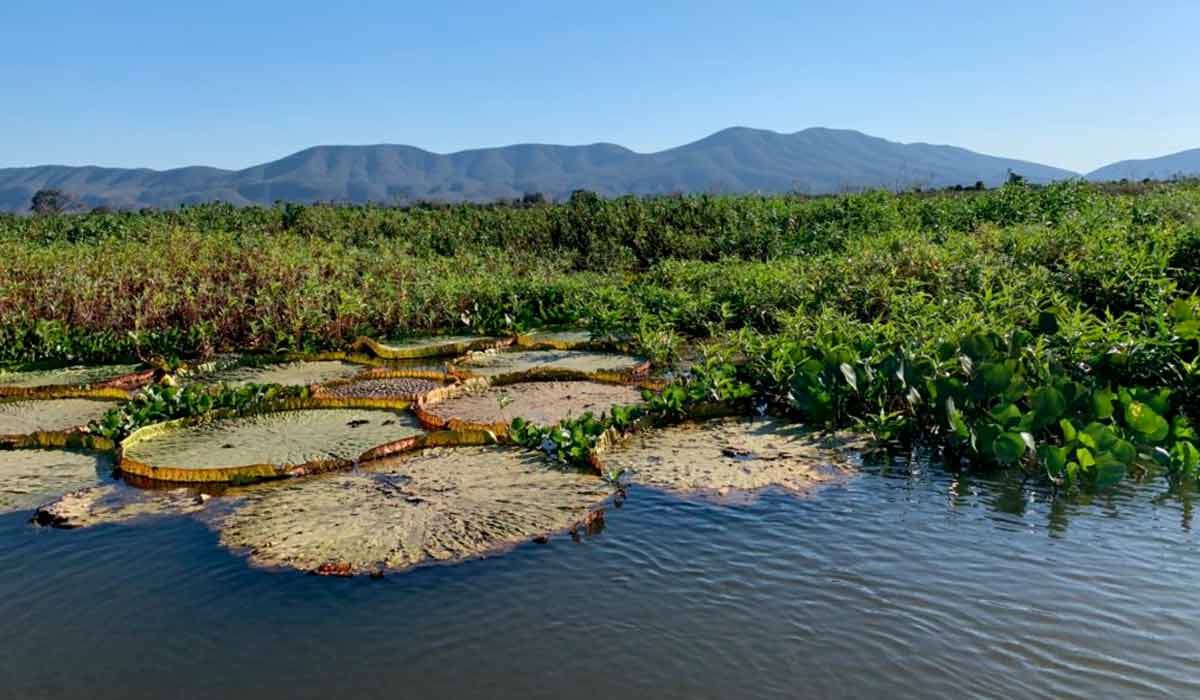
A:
(813, 161)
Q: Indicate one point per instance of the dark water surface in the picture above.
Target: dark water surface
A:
(905, 584)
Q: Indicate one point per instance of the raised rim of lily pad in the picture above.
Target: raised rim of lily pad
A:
(74, 436)
(263, 471)
(424, 347)
(117, 387)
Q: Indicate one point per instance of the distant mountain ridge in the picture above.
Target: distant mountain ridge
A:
(1181, 164)
(735, 160)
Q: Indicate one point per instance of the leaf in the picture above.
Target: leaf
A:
(848, 373)
(1102, 404)
(1185, 458)
(996, 377)
(1009, 448)
(1068, 430)
(1108, 471)
(1048, 405)
(1144, 421)
(1055, 459)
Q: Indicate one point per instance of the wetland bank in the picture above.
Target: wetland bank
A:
(724, 400)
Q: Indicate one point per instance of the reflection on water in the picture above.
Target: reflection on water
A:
(906, 582)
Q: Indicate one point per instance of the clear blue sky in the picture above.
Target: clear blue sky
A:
(163, 83)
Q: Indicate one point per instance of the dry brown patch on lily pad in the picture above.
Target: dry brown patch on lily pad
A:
(30, 477)
(442, 504)
(115, 503)
(49, 415)
(732, 457)
(265, 445)
(476, 404)
(499, 364)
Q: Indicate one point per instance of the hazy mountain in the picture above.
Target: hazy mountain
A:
(1184, 163)
(734, 160)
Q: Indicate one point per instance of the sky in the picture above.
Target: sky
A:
(232, 84)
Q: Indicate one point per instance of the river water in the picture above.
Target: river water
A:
(904, 582)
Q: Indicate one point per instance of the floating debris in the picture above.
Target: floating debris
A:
(264, 445)
(30, 477)
(731, 456)
(115, 503)
(433, 505)
(23, 417)
(299, 373)
(541, 403)
(495, 364)
(66, 376)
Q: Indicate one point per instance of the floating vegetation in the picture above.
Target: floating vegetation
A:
(265, 445)
(30, 477)
(730, 456)
(501, 364)
(476, 404)
(299, 373)
(114, 503)
(66, 376)
(429, 346)
(24, 417)
(433, 505)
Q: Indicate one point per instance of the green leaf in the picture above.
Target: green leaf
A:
(1108, 471)
(996, 377)
(1008, 448)
(1146, 422)
(1185, 458)
(1102, 404)
(1048, 406)
(1068, 430)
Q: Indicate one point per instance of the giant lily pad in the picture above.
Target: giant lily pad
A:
(30, 477)
(496, 364)
(301, 373)
(731, 456)
(115, 503)
(542, 403)
(433, 505)
(429, 346)
(556, 340)
(67, 376)
(49, 415)
(380, 386)
(266, 445)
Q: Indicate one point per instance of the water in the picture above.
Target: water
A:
(900, 583)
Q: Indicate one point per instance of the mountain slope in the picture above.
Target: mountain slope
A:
(1184, 163)
(734, 160)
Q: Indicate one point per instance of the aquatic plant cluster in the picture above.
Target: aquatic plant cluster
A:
(1053, 329)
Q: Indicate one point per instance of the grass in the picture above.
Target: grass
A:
(1053, 329)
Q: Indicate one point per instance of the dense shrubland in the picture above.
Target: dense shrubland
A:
(1054, 328)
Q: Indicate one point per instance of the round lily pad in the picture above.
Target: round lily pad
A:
(728, 456)
(115, 503)
(66, 376)
(542, 403)
(433, 505)
(495, 364)
(556, 339)
(380, 387)
(302, 373)
(429, 346)
(261, 445)
(31, 477)
(49, 415)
